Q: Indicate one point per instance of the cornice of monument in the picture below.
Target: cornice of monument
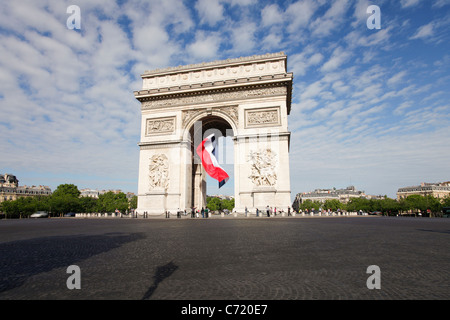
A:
(203, 88)
(217, 63)
(172, 95)
(226, 72)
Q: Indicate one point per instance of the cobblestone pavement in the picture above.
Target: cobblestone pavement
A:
(240, 259)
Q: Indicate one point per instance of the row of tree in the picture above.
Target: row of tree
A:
(412, 204)
(66, 198)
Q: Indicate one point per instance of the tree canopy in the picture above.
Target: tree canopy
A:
(412, 204)
(66, 198)
(217, 204)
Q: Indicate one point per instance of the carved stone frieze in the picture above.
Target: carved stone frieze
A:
(262, 117)
(231, 111)
(171, 101)
(160, 126)
(189, 114)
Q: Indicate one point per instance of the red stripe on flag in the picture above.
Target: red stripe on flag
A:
(209, 161)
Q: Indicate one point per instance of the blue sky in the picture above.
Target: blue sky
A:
(370, 108)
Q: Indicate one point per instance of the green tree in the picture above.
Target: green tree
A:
(415, 203)
(110, 201)
(133, 202)
(64, 204)
(332, 204)
(228, 204)
(213, 203)
(27, 206)
(446, 201)
(309, 205)
(387, 206)
(67, 190)
(11, 209)
(65, 199)
(88, 204)
(356, 204)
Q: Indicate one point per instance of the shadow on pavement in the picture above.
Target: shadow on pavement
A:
(22, 259)
(162, 272)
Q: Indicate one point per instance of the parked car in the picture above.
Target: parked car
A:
(39, 214)
(70, 214)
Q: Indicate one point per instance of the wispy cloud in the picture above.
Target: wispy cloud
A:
(364, 101)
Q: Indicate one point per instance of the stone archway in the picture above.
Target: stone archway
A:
(204, 125)
(249, 97)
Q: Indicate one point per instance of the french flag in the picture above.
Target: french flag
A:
(206, 152)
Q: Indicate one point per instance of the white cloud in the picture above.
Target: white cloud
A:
(395, 79)
(402, 107)
(299, 14)
(272, 41)
(241, 2)
(360, 13)
(409, 3)
(300, 63)
(271, 14)
(441, 3)
(210, 11)
(331, 20)
(338, 58)
(423, 32)
(312, 90)
(205, 46)
(243, 37)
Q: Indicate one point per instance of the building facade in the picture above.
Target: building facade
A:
(10, 189)
(322, 195)
(438, 190)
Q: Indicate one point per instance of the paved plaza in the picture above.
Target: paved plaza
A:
(291, 258)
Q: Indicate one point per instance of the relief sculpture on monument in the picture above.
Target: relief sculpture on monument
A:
(159, 172)
(263, 164)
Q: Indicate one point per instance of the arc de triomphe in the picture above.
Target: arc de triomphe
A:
(247, 98)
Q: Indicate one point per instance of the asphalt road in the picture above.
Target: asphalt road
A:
(225, 259)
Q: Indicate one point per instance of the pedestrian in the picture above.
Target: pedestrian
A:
(275, 211)
(268, 211)
(289, 211)
(206, 212)
(178, 213)
(257, 212)
(246, 211)
(203, 212)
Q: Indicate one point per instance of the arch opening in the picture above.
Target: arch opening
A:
(201, 184)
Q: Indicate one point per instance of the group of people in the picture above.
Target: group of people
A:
(269, 211)
(204, 212)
